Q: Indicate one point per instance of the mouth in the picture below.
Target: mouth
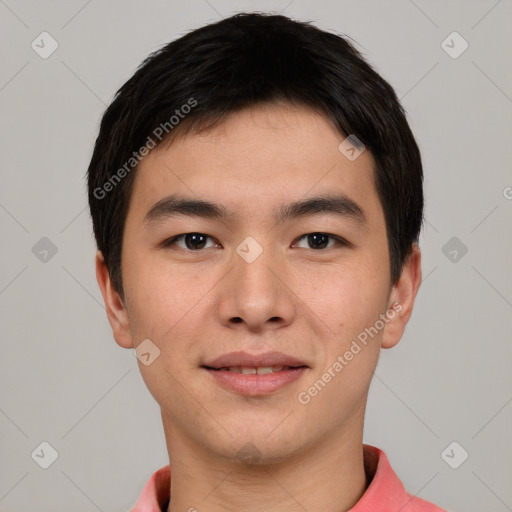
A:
(258, 375)
(254, 370)
(267, 362)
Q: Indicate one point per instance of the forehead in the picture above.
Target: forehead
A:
(267, 154)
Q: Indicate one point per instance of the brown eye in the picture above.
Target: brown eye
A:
(192, 241)
(318, 241)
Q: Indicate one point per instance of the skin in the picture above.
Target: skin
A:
(308, 302)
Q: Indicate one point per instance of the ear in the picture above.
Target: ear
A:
(116, 311)
(401, 299)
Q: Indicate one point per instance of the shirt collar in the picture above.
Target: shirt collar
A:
(385, 491)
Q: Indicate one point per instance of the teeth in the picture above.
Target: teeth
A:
(265, 369)
(262, 370)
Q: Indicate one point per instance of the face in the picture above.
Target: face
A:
(292, 257)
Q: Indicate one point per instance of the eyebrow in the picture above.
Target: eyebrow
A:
(175, 205)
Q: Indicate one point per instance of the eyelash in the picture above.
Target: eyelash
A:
(171, 241)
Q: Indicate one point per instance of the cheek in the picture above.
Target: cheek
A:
(349, 303)
(349, 306)
(162, 309)
(347, 297)
(160, 295)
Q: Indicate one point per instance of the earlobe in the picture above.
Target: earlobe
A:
(401, 299)
(116, 310)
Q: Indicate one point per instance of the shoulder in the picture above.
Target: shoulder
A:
(156, 492)
(385, 491)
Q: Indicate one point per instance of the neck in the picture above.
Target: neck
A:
(328, 477)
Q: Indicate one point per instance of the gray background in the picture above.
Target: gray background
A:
(64, 380)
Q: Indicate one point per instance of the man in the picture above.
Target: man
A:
(256, 196)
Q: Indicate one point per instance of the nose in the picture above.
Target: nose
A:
(255, 295)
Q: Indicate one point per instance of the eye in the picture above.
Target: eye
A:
(321, 240)
(192, 241)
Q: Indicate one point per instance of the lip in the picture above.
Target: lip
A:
(243, 359)
(256, 385)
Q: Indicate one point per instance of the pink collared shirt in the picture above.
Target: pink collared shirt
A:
(385, 493)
